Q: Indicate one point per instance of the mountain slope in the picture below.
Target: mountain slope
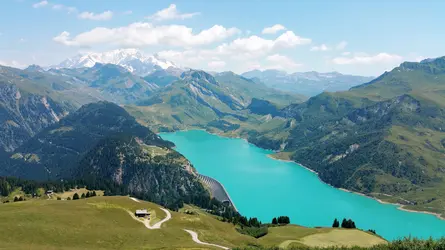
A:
(157, 174)
(384, 138)
(133, 60)
(56, 151)
(28, 103)
(102, 146)
(201, 100)
(307, 83)
(110, 82)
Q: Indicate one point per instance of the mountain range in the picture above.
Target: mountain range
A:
(307, 83)
(132, 60)
(152, 67)
(383, 138)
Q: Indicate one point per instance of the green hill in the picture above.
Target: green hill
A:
(104, 223)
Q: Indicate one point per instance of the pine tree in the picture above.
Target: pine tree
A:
(274, 221)
(336, 223)
(350, 222)
(344, 223)
(88, 195)
(68, 199)
(82, 196)
(94, 193)
(16, 199)
(75, 196)
(21, 198)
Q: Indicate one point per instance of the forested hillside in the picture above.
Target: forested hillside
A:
(383, 138)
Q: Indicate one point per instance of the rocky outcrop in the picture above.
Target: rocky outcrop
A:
(22, 115)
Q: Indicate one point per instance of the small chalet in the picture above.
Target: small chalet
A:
(142, 213)
(49, 192)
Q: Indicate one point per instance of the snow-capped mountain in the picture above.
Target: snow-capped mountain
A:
(133, 60)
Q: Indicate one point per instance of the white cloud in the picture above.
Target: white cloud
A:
(13, 64)
(22, 40)
(322, 47)
(341, 45)
(171, 13)
(146, 34)
(273, 29)
(128, 12)
(106, 15)
(362, 58)
(346, 53)
(255, 46)
(216, 64)
(40, 4)
(278, 61)
(68, 9)
(241, 54)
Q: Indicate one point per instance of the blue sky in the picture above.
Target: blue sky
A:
(356, 37)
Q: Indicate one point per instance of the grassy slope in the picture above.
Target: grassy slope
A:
(103, 223)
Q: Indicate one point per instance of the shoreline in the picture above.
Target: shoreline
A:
(271, 155)
(398, 205)
(301, 165)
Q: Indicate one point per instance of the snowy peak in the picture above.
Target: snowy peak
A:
(133, 60)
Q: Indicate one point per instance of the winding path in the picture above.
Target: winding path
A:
(195, 239)
(147, 222)
(168, 217)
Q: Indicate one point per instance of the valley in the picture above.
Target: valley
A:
(382, 139)
(244, 125)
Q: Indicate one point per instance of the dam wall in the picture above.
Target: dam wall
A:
(217, 189)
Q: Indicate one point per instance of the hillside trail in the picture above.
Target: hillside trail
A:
(147, 222)
(195, 239)
(168, 217)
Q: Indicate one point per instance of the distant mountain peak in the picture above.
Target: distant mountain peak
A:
(198, 75)
(430, 65)
(133, 60)
(34, 68)
(307, 83)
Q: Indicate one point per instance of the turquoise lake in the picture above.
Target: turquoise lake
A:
(263, 187)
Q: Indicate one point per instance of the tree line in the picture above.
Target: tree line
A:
(280, 220)
(83, 196)
(346, 223)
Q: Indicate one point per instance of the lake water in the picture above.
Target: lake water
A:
(263, 187)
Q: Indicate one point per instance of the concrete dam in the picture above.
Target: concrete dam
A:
(217, 189)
